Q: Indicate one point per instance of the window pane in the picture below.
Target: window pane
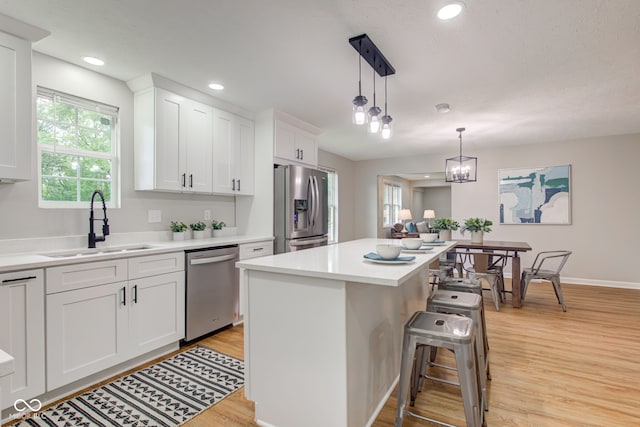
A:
(65, 113)
(91, 167)
(87, 186)
(46, 132)
(65, 136)
(64, 189)
(59, 165)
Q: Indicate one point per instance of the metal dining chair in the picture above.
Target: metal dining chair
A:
(553, 258)
(483, 267)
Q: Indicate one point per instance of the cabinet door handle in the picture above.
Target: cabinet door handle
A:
(19, 279)
(297, 153)
(233, 184)
(301, 154)
(135, 294)
(124, 295)
(191, 180)
(184, 177)
(238, 185)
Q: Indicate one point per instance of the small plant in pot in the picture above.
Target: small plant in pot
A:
(477, 227)
(444, 226)
(198, 229)
(178, 228)
(217, 227)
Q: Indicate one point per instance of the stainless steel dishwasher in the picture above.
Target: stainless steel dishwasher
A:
(212, 290)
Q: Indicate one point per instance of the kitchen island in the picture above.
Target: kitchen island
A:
(323, 331)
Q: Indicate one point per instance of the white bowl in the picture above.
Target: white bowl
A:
(429, 237)
(387, 251)
(411, 243)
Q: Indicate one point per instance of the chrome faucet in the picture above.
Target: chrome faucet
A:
(105, 222)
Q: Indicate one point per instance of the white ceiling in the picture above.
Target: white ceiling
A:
(513, 71)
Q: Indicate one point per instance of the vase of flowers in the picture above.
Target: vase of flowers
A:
(477, 227)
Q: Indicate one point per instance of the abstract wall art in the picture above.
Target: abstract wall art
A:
(535, 195)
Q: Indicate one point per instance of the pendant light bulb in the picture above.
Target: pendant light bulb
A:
(359, 112)
(386, 119)
(374, 112)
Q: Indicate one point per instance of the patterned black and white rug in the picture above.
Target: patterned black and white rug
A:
(168, 393)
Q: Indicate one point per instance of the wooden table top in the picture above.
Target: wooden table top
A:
(495, 245)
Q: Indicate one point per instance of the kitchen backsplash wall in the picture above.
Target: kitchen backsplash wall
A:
(20, 215)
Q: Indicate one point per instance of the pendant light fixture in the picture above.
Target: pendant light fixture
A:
(461, 168)
(374, 112)
(386, 119)
(370, 52)
(359, 113)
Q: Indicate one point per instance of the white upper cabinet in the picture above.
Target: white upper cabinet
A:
(15, 108)
(173, 142)
(294, 144)
(233, 154)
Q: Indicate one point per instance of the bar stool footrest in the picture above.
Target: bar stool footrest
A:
(422, 417)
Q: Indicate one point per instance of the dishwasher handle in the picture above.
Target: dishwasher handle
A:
(212, 259)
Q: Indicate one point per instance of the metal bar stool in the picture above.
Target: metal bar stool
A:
(472, 286)
(468, 305)
(455, 333)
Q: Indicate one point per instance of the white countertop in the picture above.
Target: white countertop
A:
(28, 260)
(344, 261)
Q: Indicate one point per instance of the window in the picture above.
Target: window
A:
(332, 202)
(392, 201)
(77, 150)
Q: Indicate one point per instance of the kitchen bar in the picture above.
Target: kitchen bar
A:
(323, 332)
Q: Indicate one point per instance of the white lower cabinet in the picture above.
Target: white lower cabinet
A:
(156, 315)
(87, 331)
(22, 334)
(93, 328)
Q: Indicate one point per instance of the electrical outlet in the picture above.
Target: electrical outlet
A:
(207, 215)
(154, 215)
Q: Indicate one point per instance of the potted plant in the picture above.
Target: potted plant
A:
(178, 228)
(477, 227)
(444, 226)
(198, 229)
(217, 228)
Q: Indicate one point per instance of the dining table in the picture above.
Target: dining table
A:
(507, 249)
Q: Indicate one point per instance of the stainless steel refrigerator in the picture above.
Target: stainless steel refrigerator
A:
(300, 208)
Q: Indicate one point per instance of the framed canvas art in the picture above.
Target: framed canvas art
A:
(535, 195)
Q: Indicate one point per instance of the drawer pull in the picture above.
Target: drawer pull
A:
(19, 279)
(257, 249)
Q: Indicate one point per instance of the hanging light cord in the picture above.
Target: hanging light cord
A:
(374, 87)
(385, 95)
(360, 69)
(460, 136)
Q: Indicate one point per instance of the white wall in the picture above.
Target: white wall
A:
(438, 199)
(605, 202)
(21, 217)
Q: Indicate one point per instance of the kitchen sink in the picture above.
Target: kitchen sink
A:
(96, 251)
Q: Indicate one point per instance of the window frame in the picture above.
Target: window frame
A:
(113, 155)
(389, 188)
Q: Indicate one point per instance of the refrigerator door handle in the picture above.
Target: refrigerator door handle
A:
(316, 197)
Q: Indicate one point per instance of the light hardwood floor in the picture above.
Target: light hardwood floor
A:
(549, 368)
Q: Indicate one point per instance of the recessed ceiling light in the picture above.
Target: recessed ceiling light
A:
(216, 86)
(443, 108)
(93, 61)
(450, 11)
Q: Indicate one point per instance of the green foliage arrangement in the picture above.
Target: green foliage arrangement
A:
(217, 225)
(445, 224)
(198, 226)
(476, 224)
(178, 227)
